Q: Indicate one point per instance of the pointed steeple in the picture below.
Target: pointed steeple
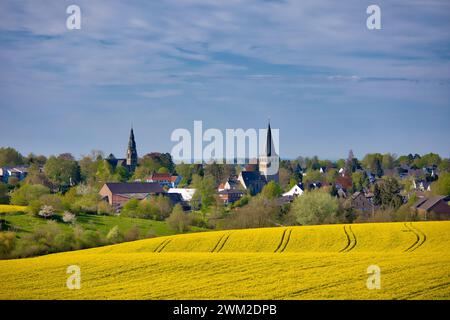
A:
(132, 157)
(270, 149)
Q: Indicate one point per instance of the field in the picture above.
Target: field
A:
(6, 208)
(317, 262)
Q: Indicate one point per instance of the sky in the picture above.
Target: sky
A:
(327, 82)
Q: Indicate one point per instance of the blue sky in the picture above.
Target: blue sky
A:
(326, 81)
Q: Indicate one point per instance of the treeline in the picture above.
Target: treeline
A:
(52, 238)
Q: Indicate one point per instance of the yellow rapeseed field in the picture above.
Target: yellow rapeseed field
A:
(308, 262)
(6, 208)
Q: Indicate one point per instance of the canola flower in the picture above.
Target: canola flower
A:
(307, 262)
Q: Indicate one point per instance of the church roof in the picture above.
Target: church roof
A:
(270, 148)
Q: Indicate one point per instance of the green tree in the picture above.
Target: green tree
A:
(27, 193)
(130, 208)
(4, 193)
(178, 220)
(272, 190)
(205, 190)
(388, 161)
(315, 207)
(114, 235)
(62, 170)
(10, 157)
(360, 180)
(442, 185)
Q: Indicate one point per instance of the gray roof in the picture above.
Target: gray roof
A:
(428, 203)
(134, 187)
(251, 177)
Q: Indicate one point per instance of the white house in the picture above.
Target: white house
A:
(295, 191)
(186, 193)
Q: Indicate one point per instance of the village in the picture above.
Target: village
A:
(365, 190)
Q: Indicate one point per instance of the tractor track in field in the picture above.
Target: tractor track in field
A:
(218, 242)
(221, 243)
(162, 245)
(288, 238)
(420, 237)
(281, 241)
(351, 239)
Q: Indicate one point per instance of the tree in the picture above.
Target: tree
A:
(114, 235)
(388, 161)
(27, 193)
(272, 190)
(205, 190)
(378, 168)
(312, 176)
(442, 185)
(387, 194)
(178, 220)
(10, 157)
(36, 176)
(360, 180)
(258, 213)
(4, 196)
(62, 170)
(315, 207)
(351, 164)
(130, 208)
(46, 212)
(69, 217)
(36, 160)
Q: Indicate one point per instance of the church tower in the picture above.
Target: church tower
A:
(132, 157)
(269, 161)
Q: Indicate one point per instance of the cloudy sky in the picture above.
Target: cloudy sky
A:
(326, 81)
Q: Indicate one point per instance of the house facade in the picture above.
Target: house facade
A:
(165, 179)
(117, 193)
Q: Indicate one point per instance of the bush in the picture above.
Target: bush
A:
(86, 204)
(114, 235)
(132, 234)
(46, 212)
(27, 193)
(315, 207)
(104, 208)
(52, 200)
(130, 208)
(4, 197)
(178, 220)
(7, 243)
(69, 217)
(34, 207)
(259, 213)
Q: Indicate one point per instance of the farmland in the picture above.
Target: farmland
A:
(307, 262)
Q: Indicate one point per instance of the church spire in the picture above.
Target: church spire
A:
(270, 149)
(132, 157)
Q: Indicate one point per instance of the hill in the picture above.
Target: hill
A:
(314, 262)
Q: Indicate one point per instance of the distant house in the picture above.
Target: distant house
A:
(421, 185)
(436, 208)
(117, 193)
(19, 172)
(164, 179)
(344, 182)
(252, 181)
(176, 198)
(362, 202)
(186, 193)
(229, 196)
(295, 191)
(232, 183)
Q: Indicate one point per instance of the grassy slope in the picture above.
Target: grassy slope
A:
(414, 261)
